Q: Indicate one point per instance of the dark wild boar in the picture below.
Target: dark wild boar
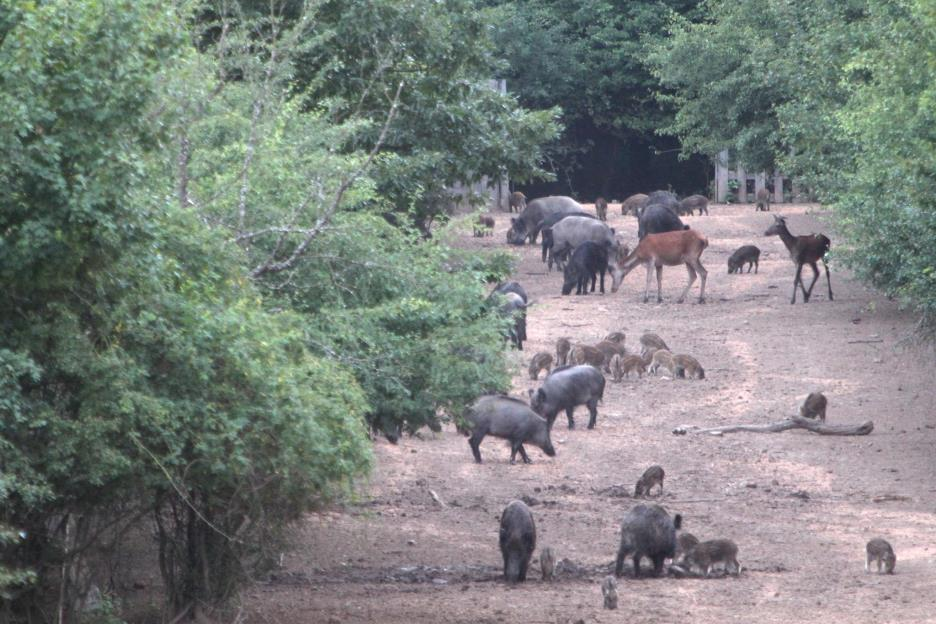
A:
(528, 224)
(748, 254)
(647, 531)
(588, 260)
(517, 539)
(510, 419)
(652, 477)
(814, 406)
(880, 551)
(567, 388)
(656, 219)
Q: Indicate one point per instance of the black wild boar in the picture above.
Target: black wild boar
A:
(656, 219)
(647, 531)
(513, 287)
(567, 388)
(747, 254)
(587, 261)
(517, 540)
(512, 306)
(569, 233)
(508, 418)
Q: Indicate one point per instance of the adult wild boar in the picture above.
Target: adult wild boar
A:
(662, 198)
(517, 538)
(571, 232)
(550, 221)
(658, 218)
(510, 419)
(564, 389)
(529, 223)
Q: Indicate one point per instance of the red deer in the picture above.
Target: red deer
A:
(664, 249)
(803, 250)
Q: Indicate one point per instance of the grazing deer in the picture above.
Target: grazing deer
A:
(803, 250)
(664, 249)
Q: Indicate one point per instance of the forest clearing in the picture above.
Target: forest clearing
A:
(800, 506)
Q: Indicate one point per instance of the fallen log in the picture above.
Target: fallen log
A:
(783, 425)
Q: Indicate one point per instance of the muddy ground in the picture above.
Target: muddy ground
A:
(800, 506)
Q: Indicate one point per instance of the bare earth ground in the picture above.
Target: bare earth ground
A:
(800, 506)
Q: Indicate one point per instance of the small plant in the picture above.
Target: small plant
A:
(732, 196)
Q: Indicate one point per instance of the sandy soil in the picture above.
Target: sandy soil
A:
(800, 506)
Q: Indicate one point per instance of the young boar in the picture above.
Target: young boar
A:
(705, 555)
(763, 200)
(585, 354)
(633, 204)
(517, 201)
(617, 337)
(609, 591)
(684, 543)
(547, 563)
(508, 418)
(609, 350)
(517, 540)
(662, 358)
(601, 208)
(687, 366)
(540, 361)
(647, 531)
(748, 254)
(880, 551)
(651, 477)
(623, 366)
(484, 226)
(567, 388)
(651, 341)
(563, 346)
(814, 406)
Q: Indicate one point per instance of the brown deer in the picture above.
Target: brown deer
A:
(664, 249)
(803, 250)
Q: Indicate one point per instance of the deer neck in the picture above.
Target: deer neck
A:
(788, 239)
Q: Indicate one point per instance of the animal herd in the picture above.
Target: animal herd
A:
(586, 249)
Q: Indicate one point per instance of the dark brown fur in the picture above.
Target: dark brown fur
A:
(585, 354)
(880, 551)
(652, 476)
(814, 405)
(601, 208)
(705, 555)
(563, 347)
(687, 366)
(540, 361)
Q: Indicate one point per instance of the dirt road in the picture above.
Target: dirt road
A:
(800, 506)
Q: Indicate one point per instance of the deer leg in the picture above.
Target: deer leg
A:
(797, 282)
(704, 274)
(649, 279)
(692, 277)
(659, 274)
(828, 279)
(815, 271)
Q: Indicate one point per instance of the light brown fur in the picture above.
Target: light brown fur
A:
(662, 358)
(563, 346)
(623, 366)
(547, 563)
(652, 342)
(664, 249)
(610, 349)
(517, 200)
(585, 354)
(684, 543)
(688, 367)
(484, 226)
(632, 204)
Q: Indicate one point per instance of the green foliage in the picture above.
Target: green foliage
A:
(838, 94)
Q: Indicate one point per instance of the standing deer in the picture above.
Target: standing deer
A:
(669, 249)
(803, 250)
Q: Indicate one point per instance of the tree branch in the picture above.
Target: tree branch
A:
(270, 266)
(794, 422)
